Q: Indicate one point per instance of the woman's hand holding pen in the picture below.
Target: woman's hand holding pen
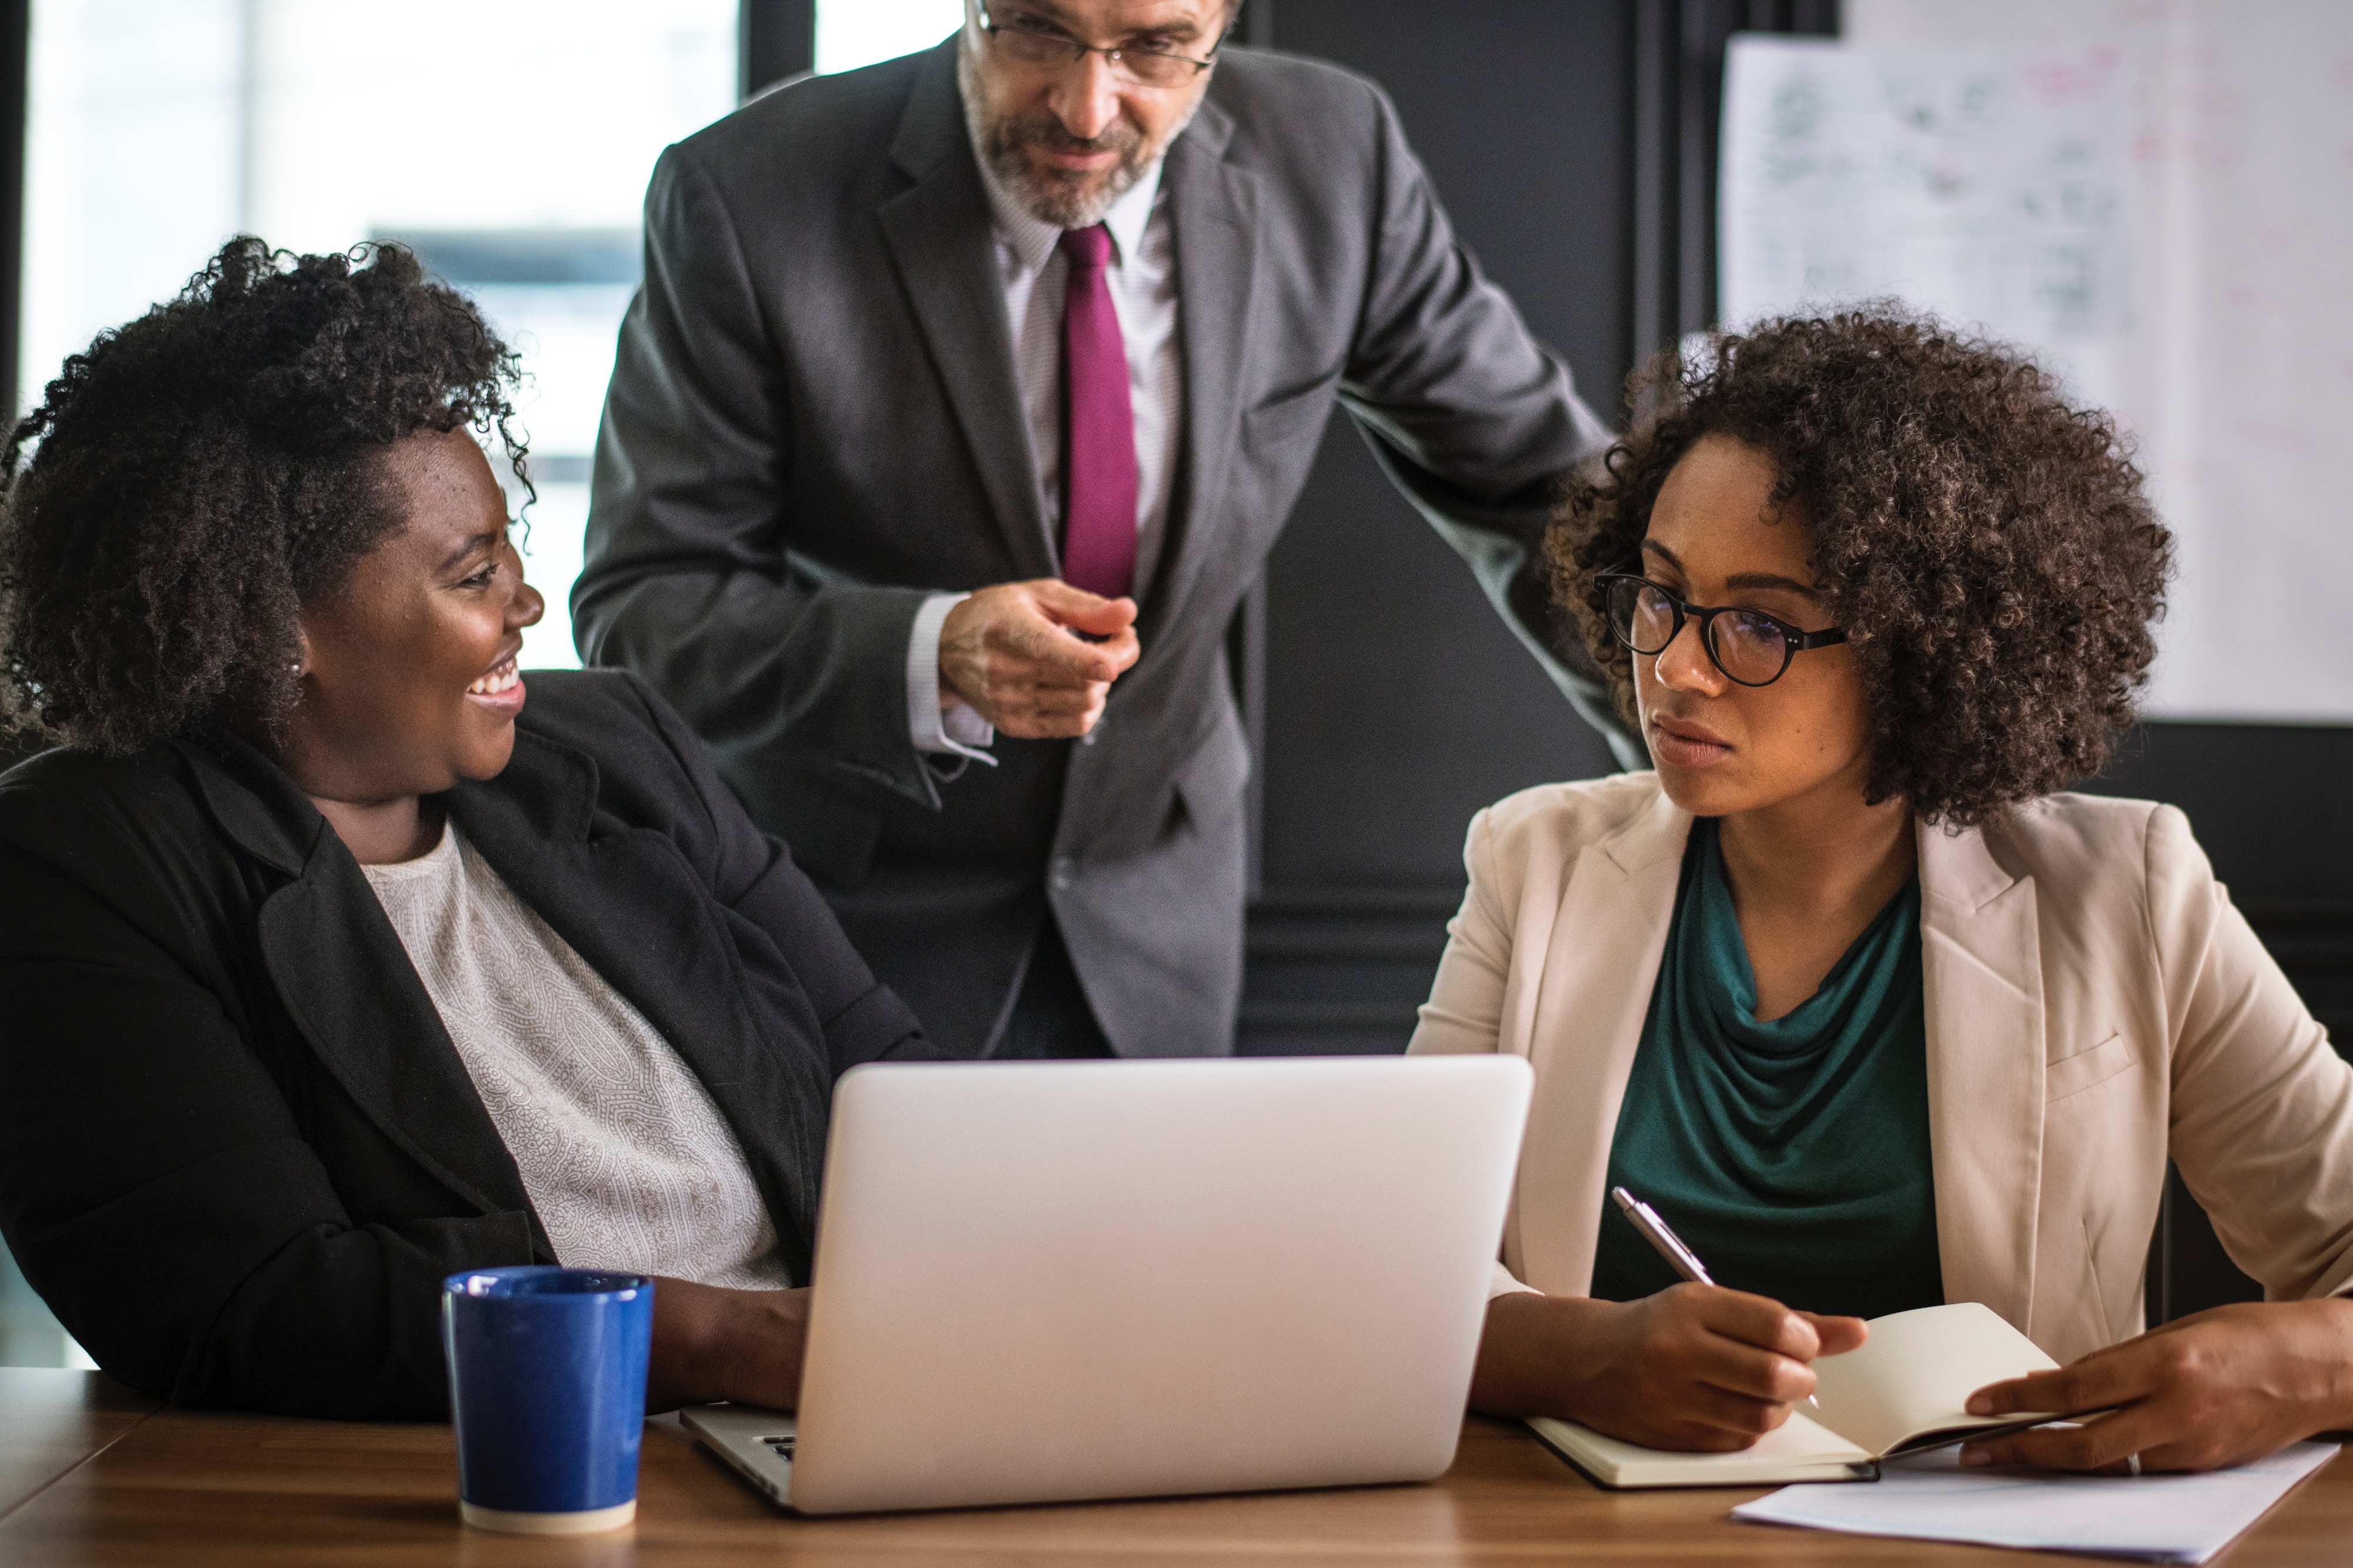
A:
(1696, 1367)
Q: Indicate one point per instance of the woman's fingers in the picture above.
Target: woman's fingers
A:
(2107, 1445)
(1748, 1372)
(1736, 1414)
(2221, 1387)
(1837, 1335)
(1750, 1347)
(2101, 1380)
(1758, 1321)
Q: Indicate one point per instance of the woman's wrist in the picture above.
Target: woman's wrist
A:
(2335, 1412)
(711, 1343)
(1527, 1364)
(686, 1364)
(2308, 1345)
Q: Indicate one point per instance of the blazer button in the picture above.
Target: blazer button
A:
(1065, 873)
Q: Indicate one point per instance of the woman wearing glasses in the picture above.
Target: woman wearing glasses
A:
(1844, 988)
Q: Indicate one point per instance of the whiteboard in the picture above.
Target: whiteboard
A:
(2154, 199)
(1989, 182)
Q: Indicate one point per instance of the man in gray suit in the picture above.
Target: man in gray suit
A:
(964, 399)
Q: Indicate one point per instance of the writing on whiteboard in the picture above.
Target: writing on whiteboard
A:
(1987, 185)
(2209, 307)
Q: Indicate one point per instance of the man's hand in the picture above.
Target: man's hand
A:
(1695, 1368)
(2213, 1389)
(711, 1343)
(1037, 660)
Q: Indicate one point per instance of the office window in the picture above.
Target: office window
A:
(853, 33)
(509, 139)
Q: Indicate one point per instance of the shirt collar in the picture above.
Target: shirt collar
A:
(1033, 239)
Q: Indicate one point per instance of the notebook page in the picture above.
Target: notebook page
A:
(1796, 1448)
(1917, 1369)
(1796, 1441)
(2165, 1519)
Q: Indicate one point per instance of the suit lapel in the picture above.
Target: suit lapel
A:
(626, 902)
(346, 981)
(1981, 973)
(629, 904)
(938, 234)
(1592, 998)
(1214, 209)
(347, 984)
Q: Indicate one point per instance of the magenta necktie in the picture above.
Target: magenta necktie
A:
(1099, 483)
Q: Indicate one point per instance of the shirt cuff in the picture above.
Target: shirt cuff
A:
(958, 730)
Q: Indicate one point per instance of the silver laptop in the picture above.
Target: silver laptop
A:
(1039, 1282)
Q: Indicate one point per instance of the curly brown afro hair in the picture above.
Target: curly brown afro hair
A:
(200, 474)
(1985, 545)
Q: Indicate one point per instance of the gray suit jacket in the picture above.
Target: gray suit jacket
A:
(813, 423)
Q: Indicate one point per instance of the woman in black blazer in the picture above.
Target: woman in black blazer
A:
(255, 578)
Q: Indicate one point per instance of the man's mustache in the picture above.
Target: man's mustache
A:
(1119, 137)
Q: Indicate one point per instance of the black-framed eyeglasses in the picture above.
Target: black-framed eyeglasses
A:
(1751, 648)
(1028, 41)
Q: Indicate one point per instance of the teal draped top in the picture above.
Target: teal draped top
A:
(1792, 1156)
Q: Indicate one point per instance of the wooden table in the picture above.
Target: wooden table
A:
(193, 1488)
(52, 1421)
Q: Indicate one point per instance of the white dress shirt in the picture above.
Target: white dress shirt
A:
(1142, 277)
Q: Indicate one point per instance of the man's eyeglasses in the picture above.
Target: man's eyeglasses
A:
(1026, 40)
(1751, 648)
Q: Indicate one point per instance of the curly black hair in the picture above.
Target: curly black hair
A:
(199, 474)
(1986, 546)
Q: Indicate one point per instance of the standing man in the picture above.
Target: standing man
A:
(964, 399)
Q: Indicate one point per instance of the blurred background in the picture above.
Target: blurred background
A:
(2149, 194)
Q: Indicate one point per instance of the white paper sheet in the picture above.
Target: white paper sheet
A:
(2163, 1518)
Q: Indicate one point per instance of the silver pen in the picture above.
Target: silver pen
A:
(1669, 1245)
(1654, 1230)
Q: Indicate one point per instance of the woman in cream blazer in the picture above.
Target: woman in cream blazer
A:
(2091, 1002)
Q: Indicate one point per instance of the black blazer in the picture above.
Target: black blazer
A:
(237, 1150)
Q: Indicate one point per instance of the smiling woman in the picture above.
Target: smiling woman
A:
(409, 670)
(336, 961)
(253, 410)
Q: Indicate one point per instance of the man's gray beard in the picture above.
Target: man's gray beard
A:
(1078, 206)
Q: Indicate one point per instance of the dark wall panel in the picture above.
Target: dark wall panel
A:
(2268, 802)
(1396, 703)
(2269, 805)
(1518, 109)
(774, 40)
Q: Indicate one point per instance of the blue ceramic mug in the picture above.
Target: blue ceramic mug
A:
(547, 1391)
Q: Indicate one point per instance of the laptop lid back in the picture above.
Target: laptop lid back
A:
(1047, 1281)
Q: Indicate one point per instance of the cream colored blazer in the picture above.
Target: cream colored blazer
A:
(2094, 1002)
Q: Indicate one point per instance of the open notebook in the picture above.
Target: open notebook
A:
(1901, 1393)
